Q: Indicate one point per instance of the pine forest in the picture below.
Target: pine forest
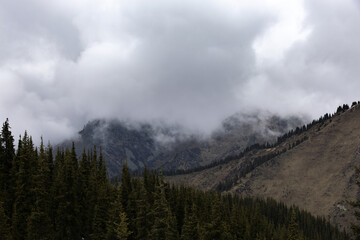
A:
(55, 194)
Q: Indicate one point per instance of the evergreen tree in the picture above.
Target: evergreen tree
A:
(85, 196)
(115, 211)
(7, 153)
(293, 229)
(144, 218)
(102, 206)
(4, 224)
(216, 228)
(39, 222)
(125, 188)
(121, 229)
(67, 211)
(164, 224)
(7, 180)
(190, 229)
(38, 225)
(24, 195)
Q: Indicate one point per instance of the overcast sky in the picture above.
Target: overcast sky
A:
(191, 62)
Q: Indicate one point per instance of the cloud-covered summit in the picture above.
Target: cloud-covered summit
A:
(63, 63)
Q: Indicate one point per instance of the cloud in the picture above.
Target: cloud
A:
(319, 72)
(186, 62)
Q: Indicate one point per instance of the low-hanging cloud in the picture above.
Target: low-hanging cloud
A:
(192, 63)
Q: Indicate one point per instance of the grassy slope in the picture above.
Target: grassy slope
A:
(317, 175)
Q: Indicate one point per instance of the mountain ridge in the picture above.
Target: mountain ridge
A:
(317, 174)
(168, 147)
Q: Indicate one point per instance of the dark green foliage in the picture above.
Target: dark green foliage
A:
(5, 232)
(190, 228)
(117, 223)
(70, 198)
(293, 228)
(121, 229)
(39, 223)
(39, 227)
(125, 188)
(24, 196)
(102, 203)
(164, 226)
(7, 155)
(67, 221)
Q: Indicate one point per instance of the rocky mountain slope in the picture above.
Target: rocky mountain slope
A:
(169, 147)
(312, 168)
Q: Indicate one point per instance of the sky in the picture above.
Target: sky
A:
(187, 62)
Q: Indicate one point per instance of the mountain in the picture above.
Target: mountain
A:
(68, 198)
(311, 167)
(159, 145)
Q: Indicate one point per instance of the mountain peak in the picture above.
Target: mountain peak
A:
(160, 145)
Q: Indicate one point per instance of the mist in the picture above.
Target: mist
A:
(186, 63)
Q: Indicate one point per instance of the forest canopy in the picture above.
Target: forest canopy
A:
(47, 195)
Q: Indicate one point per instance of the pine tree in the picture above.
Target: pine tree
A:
(24, 195)
(7, 153)
(125, 188)
(115, 210)
(122, 231)
(293, 228)
(216, 228)
(102, 206)
(238, 223)
(190, 229)
(118, 223)
(282, 233)
(101, 170)
(7, 179)
(4, 224)
(67, 217)
(164, 222)
(144, 218)
(92, 196)
(99, 229)
(39, 223)
(85, 196)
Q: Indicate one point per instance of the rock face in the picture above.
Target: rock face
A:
(317, 175)
(117, 142)
(168, 147)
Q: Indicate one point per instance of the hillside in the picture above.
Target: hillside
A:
(170, 147)
(313, 169)
(63, 198)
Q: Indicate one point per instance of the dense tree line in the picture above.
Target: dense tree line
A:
(70, 197)
(61, 197)
(247, 166)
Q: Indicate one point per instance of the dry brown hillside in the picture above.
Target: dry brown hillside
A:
(317, 175)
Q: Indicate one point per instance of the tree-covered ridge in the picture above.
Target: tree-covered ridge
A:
(70, 197)
(266, 157)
